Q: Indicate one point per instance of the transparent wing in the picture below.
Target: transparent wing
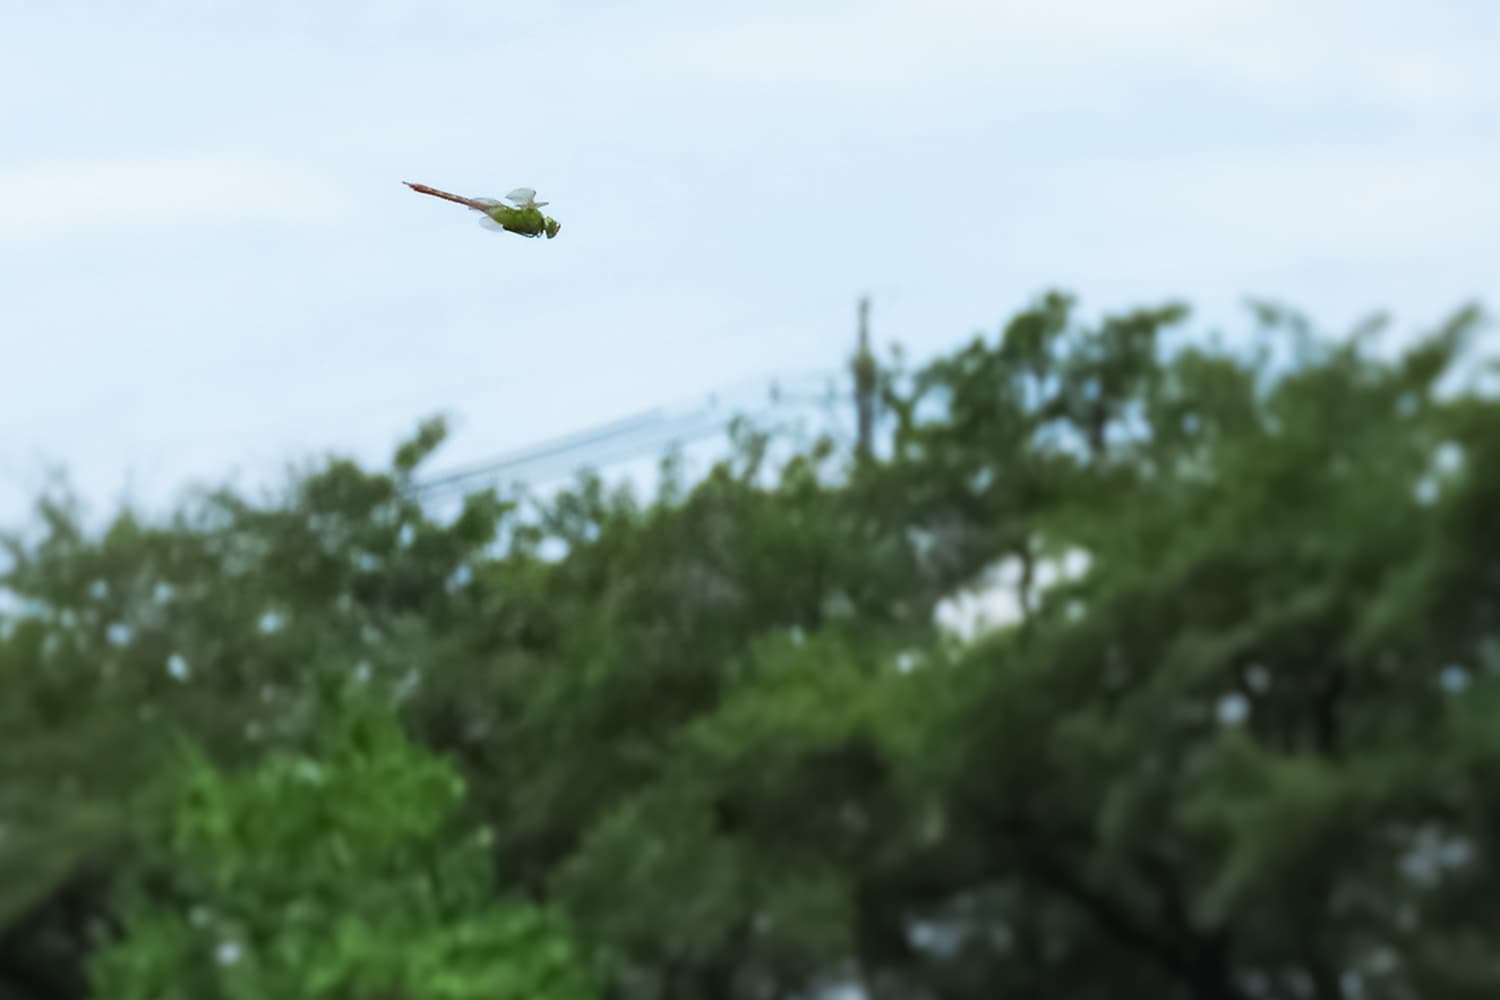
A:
(524, 198)
(484, 219)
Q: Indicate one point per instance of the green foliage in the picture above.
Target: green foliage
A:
(1243, 748)
(344, 872)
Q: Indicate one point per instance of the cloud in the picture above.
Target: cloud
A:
(873, 51)
(1354, 202)
(160, 194)
(1382, 56)
(1046, 57)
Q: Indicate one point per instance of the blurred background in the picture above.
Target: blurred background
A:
(979, 499)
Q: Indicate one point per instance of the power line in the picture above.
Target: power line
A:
(582, 452)
(653, 431)
(649, 432)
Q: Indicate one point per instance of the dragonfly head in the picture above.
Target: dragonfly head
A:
(552, 227)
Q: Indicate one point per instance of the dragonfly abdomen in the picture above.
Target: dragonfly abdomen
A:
(477, 206)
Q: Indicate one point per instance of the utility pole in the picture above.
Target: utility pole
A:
(866, 379)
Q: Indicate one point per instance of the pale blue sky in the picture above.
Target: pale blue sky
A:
(208, 262)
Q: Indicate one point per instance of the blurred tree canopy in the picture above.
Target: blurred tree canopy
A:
(341, 872)
(1235, 740)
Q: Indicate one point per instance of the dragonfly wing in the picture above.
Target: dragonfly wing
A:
(489, 223)
(522, 197)
(486, 202)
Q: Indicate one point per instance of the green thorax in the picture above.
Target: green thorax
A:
(524, 221)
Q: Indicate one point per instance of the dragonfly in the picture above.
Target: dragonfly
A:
(523, 216)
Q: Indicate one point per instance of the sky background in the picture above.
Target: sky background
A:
(209, 266)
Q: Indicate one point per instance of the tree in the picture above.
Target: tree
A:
(225, 622)
(1243, 750)
(344, 873)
